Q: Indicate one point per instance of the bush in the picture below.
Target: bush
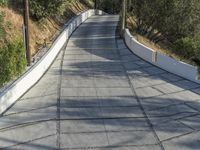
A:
(2, 30)
(197, 54)
(185, 47)
(3, 2)
(12, 61)
(44, 8)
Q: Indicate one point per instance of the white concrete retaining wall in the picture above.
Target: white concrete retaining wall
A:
(25, 82)
(167, 63)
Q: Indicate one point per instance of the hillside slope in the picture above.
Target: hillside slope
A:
(42, 31)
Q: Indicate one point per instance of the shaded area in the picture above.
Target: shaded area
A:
(105, 98)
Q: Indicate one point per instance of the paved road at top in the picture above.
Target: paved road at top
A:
(98, 95)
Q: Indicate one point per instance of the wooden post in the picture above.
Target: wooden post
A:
(26, 28)
(123, 17)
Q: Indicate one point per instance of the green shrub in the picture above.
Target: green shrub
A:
(185, 47)
(12, 61)
(44, 8)
(3, 2)
(2, 30)
(197, 53)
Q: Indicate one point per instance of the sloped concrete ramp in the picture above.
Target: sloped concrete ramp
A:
(98, 95)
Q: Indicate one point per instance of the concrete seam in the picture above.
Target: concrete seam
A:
(141, 107)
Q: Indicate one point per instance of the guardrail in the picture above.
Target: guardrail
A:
(12, 93)
(165, 62)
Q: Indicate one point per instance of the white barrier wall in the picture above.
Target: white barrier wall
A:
(167, 63)
(25, 82)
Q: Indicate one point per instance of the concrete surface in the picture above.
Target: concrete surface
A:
(98, 95)
(11, 93)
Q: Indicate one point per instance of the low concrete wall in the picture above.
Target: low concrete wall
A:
(167, 63)
(27, 80)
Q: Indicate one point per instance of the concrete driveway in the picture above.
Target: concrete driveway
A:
(98, 95)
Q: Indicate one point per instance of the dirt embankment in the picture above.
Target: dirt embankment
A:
(40, 32)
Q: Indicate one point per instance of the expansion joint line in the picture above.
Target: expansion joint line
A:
(139, 101)
(59, 97)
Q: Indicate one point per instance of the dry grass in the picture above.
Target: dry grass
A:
(13, 23)
(40, 32)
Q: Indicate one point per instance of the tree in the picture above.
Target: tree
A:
(174, 21)
(110, 6)
(166, 19)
